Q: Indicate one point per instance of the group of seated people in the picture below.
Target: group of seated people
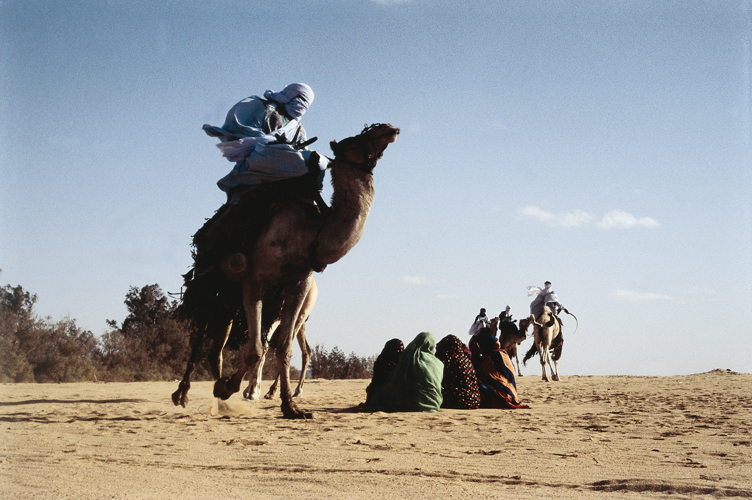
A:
(414, 378)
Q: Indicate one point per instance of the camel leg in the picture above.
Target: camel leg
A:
(294, 296)
(555, 358)
(274, 342)
(513, 354)
(254, 348)
(305, 351)
(215, 354)
(218, 329)
(253, 391)
(180, 397)
(550, 366)
(554, 365)
(541, 348)
(543, 355)
(273, 389)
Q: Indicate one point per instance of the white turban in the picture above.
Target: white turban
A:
(295, 108)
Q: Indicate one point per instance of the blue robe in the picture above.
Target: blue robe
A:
(248, 133)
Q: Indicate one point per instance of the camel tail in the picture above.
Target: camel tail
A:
(529, 354)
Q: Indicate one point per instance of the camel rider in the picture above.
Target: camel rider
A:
(264, 138)
(545, 296)
(481, 321)
(482, 317)
(506, 315)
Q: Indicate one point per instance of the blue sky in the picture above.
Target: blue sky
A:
(604, 146)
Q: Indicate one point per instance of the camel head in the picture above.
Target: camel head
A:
(494, 326)
(525, 323)
(510, 336)
(364, 150)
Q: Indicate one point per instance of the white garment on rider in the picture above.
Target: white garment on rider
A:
(544, 296)
(481, 321)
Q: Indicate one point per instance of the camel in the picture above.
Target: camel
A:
(509, 338)
(253, 391)
(546, 330)
(294, 244)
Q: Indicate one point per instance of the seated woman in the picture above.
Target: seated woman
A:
(498, 388)
(415, 383)
(384, 366)
(459, 387)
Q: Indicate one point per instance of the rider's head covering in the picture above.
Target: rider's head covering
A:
(297, 98)
(483, 310)
(509, 308)
(547, 283)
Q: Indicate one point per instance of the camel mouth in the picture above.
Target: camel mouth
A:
(373, 140)
(389, 132)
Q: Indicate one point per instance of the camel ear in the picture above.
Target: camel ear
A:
(333, 146)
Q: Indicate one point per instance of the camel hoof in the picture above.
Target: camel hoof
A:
(290, 410)
(252, 393)
(269, 395)
(180, 397)
(222, 389)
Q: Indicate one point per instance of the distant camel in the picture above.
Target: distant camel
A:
(546, 331)
(507, 333)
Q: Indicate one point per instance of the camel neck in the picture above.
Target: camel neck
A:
(350, 205)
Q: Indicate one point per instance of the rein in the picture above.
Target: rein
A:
(577, 323)
(312, 249)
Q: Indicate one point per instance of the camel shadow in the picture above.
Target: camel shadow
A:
(70, 401)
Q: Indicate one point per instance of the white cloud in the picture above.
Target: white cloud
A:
(615, 219)
(577, 218)
(415, 280)
(638, 296)
(621, 219)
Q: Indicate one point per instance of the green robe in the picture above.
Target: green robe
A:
(415, 383)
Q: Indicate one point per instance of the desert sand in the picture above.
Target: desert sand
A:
(585, 437)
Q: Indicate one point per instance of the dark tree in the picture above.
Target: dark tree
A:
(334, 364)
(34, 350)
(151, 343)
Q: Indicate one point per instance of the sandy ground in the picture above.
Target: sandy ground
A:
(585, 437)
